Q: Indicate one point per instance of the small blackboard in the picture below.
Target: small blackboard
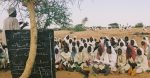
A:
(18, 42)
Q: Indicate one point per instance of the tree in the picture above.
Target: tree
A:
(81, 27)
(139, 25)
(39, 8)
(114, 25)
(52, 12)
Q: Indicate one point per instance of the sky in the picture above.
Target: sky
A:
(104, 12)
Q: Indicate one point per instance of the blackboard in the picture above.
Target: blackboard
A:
(18, 42)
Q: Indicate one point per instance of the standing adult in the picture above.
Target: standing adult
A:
(10, 23)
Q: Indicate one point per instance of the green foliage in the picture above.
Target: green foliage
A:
(139, 25)
(66, 27)
(114, 25)
(25, 1)
(48, 12)
(52, 12)
(79, 27)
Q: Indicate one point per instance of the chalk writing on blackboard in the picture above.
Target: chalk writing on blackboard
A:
(18, 48)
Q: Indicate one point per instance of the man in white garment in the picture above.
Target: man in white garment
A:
(79, 56)
(66, 39)
(112, 56)
(10, 23)
(121, 61)
(101, 61)
(70, 45)
(141, 61)
(66, 57)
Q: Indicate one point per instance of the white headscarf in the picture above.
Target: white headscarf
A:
(123, 48)
(135, 43)
(112, 57)
(115, 39)
(146, 40)
(106, 37)
(121, 40)
(142, 50)
(11, 10)
(143, 65)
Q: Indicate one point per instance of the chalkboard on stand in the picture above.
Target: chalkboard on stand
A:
(18, 42)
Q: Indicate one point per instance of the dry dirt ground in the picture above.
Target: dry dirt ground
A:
(96, 34)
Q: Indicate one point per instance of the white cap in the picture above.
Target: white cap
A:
(11, 10)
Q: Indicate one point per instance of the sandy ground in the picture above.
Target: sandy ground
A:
(110, 32)
(65, 74)
(96, 34)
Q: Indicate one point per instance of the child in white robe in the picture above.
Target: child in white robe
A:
(146, 48)
(66, 57)
(141, 61)
(57, 59)
(121, 61)
(80, 62)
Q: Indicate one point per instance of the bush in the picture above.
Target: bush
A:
(114, 25)
(139, 25)
(79, 27)
(66, 28)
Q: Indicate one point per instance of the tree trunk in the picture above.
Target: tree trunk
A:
(33, 41)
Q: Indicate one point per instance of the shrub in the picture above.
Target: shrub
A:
(79, 27)
(66, 28)
(114, 25)
(139, 25)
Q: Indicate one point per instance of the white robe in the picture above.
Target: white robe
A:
(79, 57)
(122, 63)
(103, 59)
(66, 57)
(10, 23)
(142, 63)
(146, 40)
(123, 48)
(66, 40)
(121, 60)
(135, 43)
(70, 47)
(57, 59)
(112, 59)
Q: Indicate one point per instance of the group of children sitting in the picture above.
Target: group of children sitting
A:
(102, 56)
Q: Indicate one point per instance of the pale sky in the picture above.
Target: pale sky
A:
(104, 12)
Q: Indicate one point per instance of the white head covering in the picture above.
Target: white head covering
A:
(106, 37)
(142, 50)
(115, 39)
(135, 43)
(109, 43)
(101, 41)
(123, 48)
(121, 41)
(113, 57)
(146, 40)
(11, 10)
(55, 39)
